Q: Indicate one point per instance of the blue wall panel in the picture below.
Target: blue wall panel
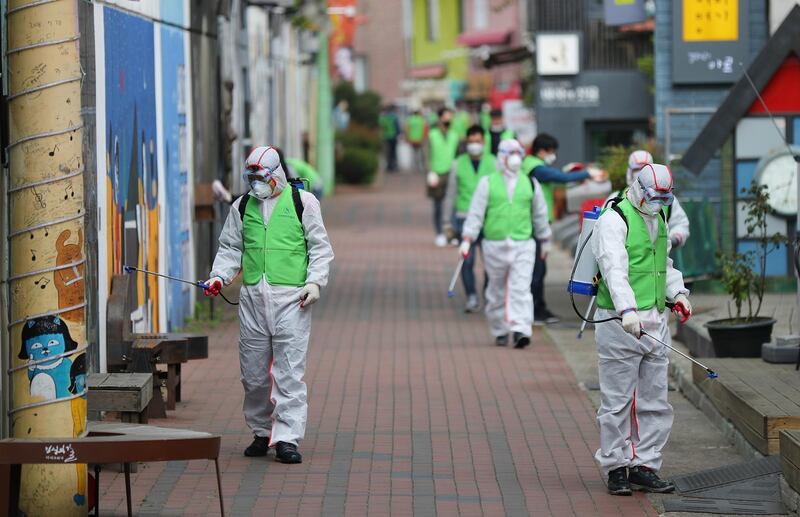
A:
(776, 260)
(745, 171)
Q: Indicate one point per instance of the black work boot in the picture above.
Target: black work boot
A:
(259, 447)
(645, 479)
(618, 482)
(287, 453)
(521, 340)
(501, 340)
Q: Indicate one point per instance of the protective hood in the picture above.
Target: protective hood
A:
(506, 150)
(652, 189)
(266, 162)
(636, 161)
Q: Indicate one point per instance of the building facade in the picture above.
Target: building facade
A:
(683, 107)
(589, 90)
(756, 132)
(381, 55)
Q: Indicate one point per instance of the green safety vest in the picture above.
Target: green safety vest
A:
(304, 170)
(443, 150)
(460, 123)
(416, 128)
(388, 126)
(486, 120)
(277, 249)
(530, 163)
(467, 178)
(506, 218)
(647, 262)
(507, 134)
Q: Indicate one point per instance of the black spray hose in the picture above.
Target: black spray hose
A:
(572, 276)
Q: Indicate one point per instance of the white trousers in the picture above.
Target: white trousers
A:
(509, 303)
(635, 417)
(273, 341)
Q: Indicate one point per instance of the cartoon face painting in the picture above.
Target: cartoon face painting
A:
(43, 341)
(77, 375)
(45, 346)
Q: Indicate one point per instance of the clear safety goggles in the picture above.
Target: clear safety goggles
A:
(652, 195)
(258, 173)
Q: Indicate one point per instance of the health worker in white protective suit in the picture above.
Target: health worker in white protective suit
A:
(511, 210)
(677, 220)
(275, 236)
(632, 250)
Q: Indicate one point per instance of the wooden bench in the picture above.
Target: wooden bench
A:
(105, 443)
(760, 399)
(790, 458)
(141, 352)
(127, 393)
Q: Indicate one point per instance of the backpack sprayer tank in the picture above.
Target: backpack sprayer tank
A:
(584, 269)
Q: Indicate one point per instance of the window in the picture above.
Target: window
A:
(433, 19)
(480, 14)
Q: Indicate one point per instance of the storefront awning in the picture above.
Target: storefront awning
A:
(429, 71)
(477, 39)
(508, 56)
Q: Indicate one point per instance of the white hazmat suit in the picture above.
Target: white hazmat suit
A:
(508, 262)
(635, 417)
(274, 328)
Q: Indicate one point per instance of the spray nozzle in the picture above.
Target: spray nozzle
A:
(128, 269)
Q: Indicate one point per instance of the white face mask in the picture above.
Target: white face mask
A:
(475, 149)
(497, 128)
(652, 207)
(514, 162)
(550, 159)
(261, 189)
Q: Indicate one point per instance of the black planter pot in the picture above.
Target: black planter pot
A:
(739, 339)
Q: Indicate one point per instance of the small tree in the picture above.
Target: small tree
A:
(614, 160)
(739, 275)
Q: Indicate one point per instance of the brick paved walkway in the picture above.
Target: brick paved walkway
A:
(411, 408)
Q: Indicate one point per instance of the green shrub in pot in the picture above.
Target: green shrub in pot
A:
(743, 275)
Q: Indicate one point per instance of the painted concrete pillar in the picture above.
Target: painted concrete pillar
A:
(46, 245)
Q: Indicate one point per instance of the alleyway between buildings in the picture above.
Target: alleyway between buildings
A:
(411, 407)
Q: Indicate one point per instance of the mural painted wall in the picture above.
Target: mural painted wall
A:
(174, 148)
(46, 313)
(132, 213)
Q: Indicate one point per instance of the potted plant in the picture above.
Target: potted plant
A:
(744, 279)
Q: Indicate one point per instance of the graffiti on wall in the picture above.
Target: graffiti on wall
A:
(131, 157)
(46, 344)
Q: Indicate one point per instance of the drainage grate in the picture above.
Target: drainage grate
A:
(751, 488)
(764, 488)
(726, 475)
(691, 504)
